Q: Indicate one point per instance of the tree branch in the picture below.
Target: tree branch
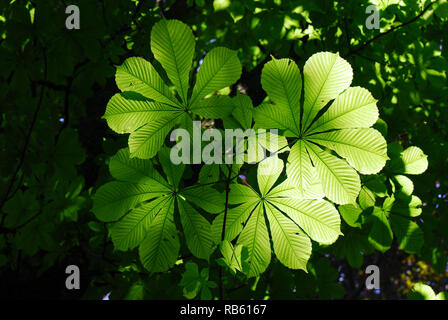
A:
(366, 44)
(223, 234)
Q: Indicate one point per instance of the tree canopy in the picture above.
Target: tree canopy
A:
(353, 118)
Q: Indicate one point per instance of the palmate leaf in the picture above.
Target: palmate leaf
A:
(142, 206)
(242, 112)
(292, 247)
(130, 231)
(340, 182)
(147, 140)
(197, 230)
(148, 109)
(364, 149)
(409, 235)
(235, 219)
(234, 257)
(214, 107)
(126, 112)
(343, 126)
(172, 43)
(206, 198)
(138, 75)
(299, 169)
(325, 76)
(282, 81)
(220, 68)
(172, 171)
(261, 144)
(401, 211)
(293, 221)
(411, 161)
(380, 235)
(160, 248)
(421, 291)
(194, 282)
(115, 198)
(354, 108)
(255, 238)
(318, 218)
(136, 170)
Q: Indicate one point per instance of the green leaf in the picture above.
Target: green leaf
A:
(173, 171)
(148, 110)
(402, 184)
(291, 246)
(318, 218)
(365, 149)
(443, 295)
(271, 116)
(421, 291)
(268, 172)
(160, 249)
(136, 292)
(221, 4)
(130, 231)
(195, 282)
(242, 194)
(366, 198)
(380, 236)
(196, 229)
(282, 81)
(234, 257)
(209, 173)
(190, 280)
(215, 107)
(221, 68)
(262, 144)
(235, 219)
(243, 110)
(350, 214)
(414, 160)
(146, 141)
(256, 238)
(206, 198)
(114, 199)
(353, 245)
(172, 43)
(354, 108)
(299, 168)
(20, 208)
(342, 183)
(405, 206)
(290, 190)
(409, 235)
(124, 168)
(325, 76)
(377, 184)
(343, 125)
(126, 112)
(138, 75)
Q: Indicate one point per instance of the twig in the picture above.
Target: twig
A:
(364, 45)
(223, 234)
(370, 59)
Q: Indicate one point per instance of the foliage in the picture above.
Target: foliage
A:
(336, 197)
(422, 291)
